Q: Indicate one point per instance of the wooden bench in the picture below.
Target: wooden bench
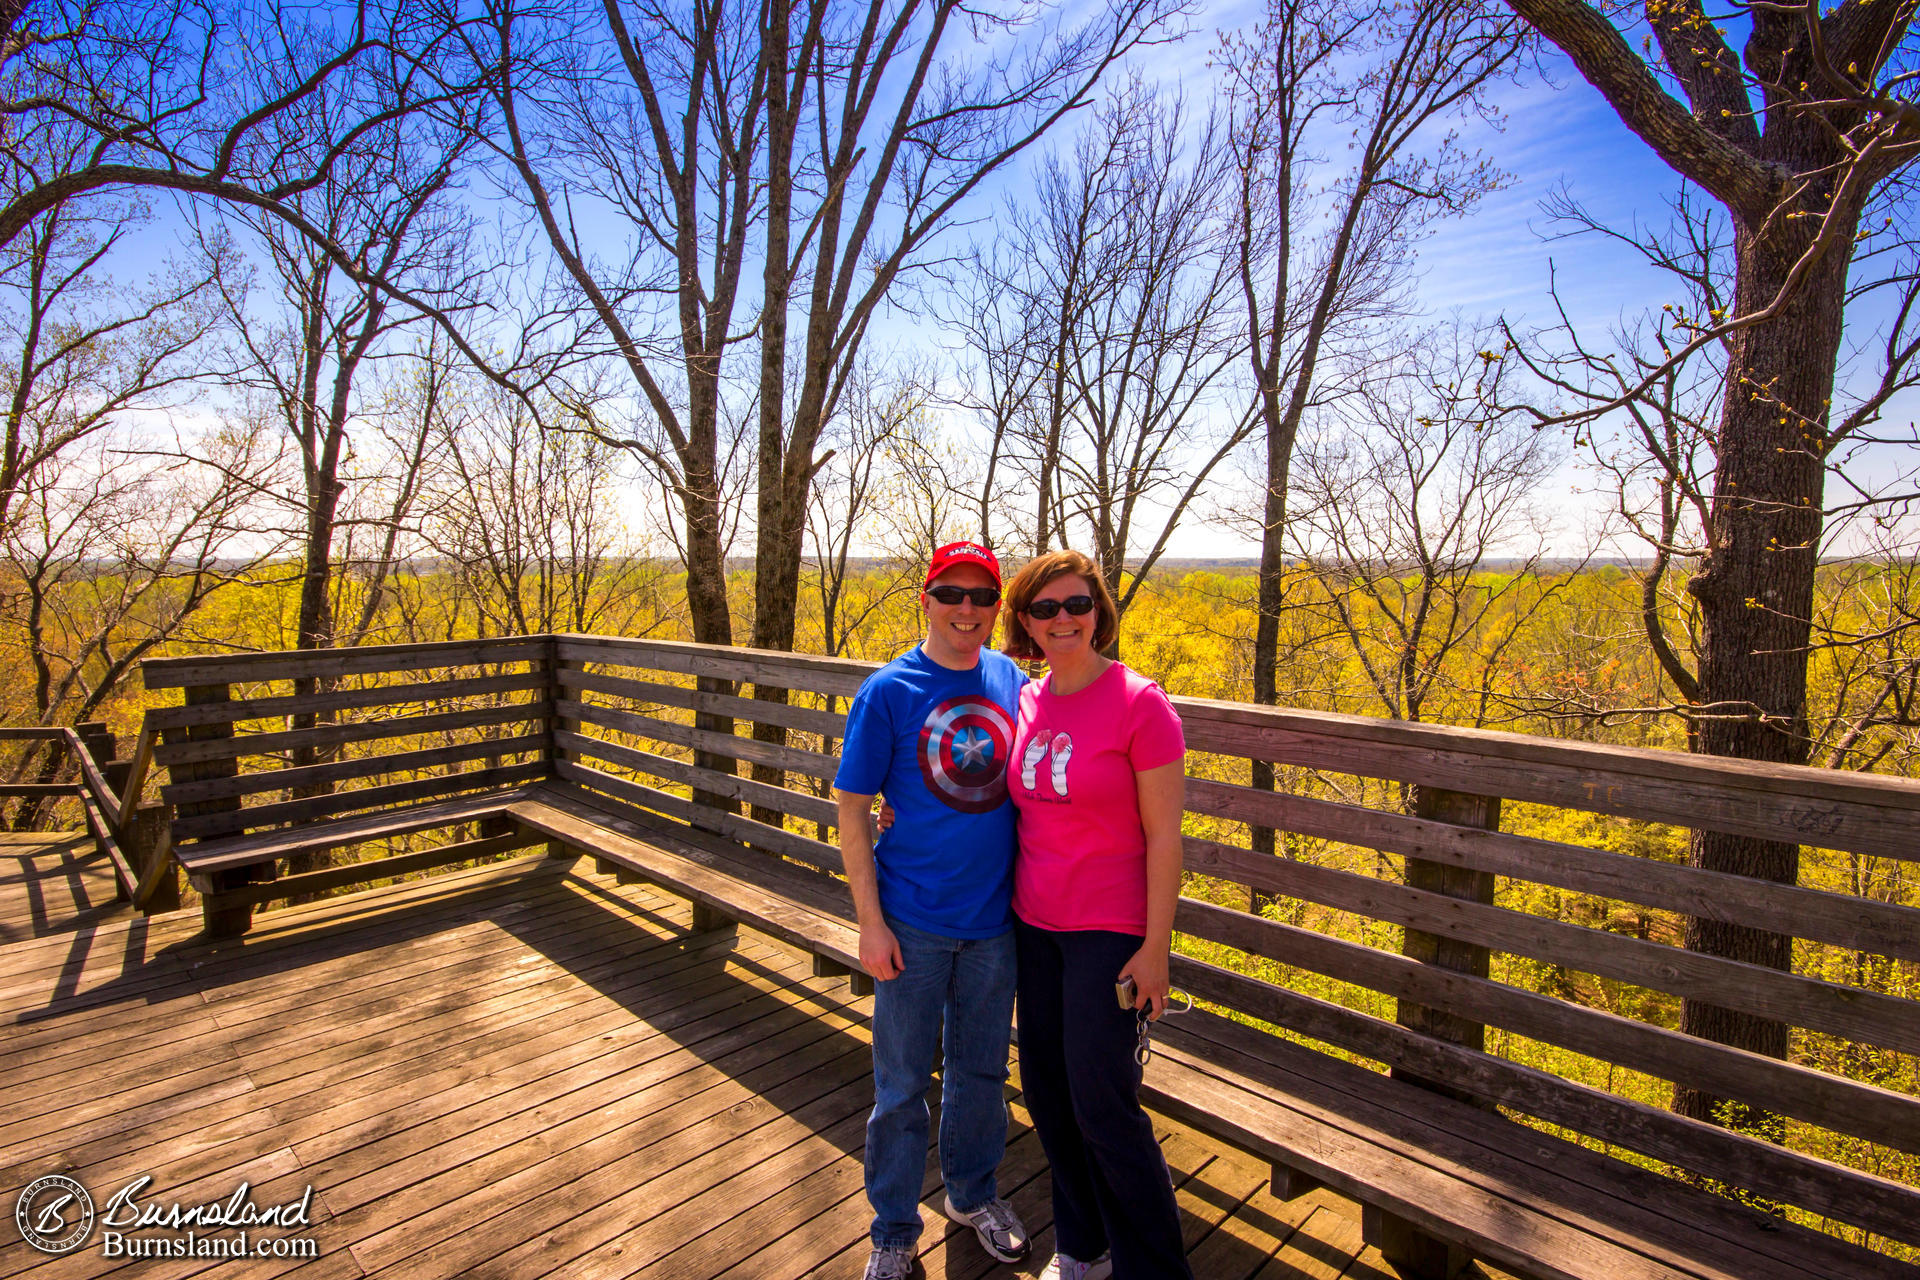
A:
(210, 862)
(726, 882)
(1471, 1182)
(1441, 1182)
(1454, 1151)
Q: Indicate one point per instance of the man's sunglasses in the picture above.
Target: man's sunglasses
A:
(982, 597)
(1078, 606)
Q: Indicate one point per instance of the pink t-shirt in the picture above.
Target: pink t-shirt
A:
(1083, 853)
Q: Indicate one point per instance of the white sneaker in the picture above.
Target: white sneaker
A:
(1063, 1267)
(997, 1226)
(891, 1262)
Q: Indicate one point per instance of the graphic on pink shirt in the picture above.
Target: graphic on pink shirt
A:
(1062, 752)
(1057, 750)
(1031, 757)
(1083, 855)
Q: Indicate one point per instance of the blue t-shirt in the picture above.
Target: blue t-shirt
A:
(935, 743)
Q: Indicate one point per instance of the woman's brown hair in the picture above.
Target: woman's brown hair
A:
(1033, 578)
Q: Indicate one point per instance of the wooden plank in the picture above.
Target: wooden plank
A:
(732, 825)
(105, 799)
(1357, 1164)
(1771, 1171)
(237, 668)
(1828, 808)
(417, 692)
(1852, 1012)
(677, 1033)
(821, 892)
(306, 775)
(812, 763)
(158, 886)
(380, 868)
(246, 744)
(678, 808)
(646, 1150)
(792, 670)
(102, 831)
(701, 878)
(693, 996)
(39, 789)
(209, 773)
(1848, 1106)
(830, 724)
(786, 800)
(1668, 1225)
(31, 732)
(683, 1163)
(137, 773)
(1841, 919)
(266, 846)
(383, 795)
(1604, 761)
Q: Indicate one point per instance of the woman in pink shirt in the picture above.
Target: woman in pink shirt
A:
(1097, 778)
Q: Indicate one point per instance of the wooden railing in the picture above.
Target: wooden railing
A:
(112, 813)
(1429, 938)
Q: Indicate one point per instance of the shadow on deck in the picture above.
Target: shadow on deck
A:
(519, 1071)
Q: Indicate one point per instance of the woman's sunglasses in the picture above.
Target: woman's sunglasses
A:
(982, 597)
(1078, 606)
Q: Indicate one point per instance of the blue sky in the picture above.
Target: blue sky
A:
(1558, 133)
(1499, 260)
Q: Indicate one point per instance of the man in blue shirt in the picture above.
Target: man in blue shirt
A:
(932, 730)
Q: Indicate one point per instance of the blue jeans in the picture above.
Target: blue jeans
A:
(967, 983)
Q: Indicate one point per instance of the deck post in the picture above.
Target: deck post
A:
(219, 920)
(1413, 1251)
(1288, 1183)
(102, 745)
(1459, 809)
(143, 836)
(706, 919)
(557, 723)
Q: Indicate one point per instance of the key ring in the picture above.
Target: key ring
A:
(1143, 1052)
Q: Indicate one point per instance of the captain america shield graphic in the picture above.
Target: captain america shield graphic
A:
(963, 753)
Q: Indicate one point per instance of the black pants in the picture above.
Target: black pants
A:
(1080, 1080)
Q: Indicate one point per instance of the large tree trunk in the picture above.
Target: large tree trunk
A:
(710, 614)
(1270, 589)
(1755, 590)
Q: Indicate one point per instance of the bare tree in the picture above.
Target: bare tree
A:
(1402, 501)
(901, 118)
(651, 121)
(1320, 262)
(103, 554)
(115, 549)
(309, 352)
(884, 489)
(1733, 416)
(998, 385)
(525, 519)
(1145, 339)
(108, 95)
(76, 360)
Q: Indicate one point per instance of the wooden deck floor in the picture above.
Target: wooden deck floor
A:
(519, 1072)
(50, 883)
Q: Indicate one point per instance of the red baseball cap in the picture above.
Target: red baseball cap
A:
(956, 553)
